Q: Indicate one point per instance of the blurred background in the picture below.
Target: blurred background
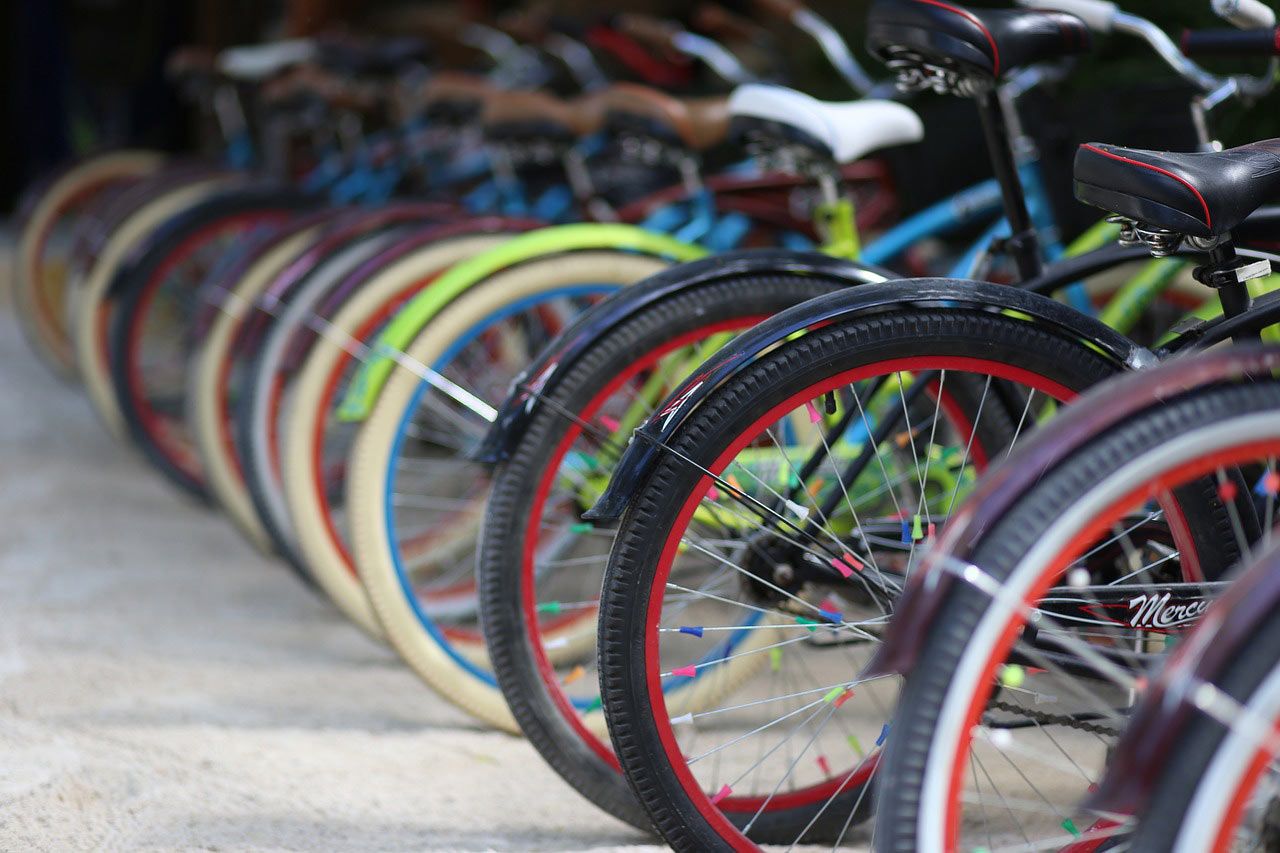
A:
(84, 75)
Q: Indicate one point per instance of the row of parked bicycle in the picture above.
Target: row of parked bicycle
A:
(599, 411)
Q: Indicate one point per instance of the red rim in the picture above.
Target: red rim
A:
(178, 453)
(318, 475)
(1231, 819)
(714, 814)
(48, 316)
(1162, 484)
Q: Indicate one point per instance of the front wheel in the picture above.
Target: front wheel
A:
(773, 536)
(1059, 610)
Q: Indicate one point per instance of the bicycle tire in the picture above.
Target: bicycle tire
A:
(957, 638)
(458, 676)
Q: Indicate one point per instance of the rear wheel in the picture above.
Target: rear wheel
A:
(214, 367)
(779, 528)
(151, 336)
(93, 303)
(262, 411)
(316, 442)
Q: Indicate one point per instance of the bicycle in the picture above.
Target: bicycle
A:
(712, 496)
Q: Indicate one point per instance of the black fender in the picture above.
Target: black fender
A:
(540, 379)
(1169, 704)
(643, 451)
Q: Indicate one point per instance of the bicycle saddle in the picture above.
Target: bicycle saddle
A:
(697, 123)
(985, 42)
(253, 63)
(1199, 194)
(844, 131)
(516, 114)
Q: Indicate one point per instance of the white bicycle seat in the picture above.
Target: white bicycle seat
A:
(251, 63)
(848, 130)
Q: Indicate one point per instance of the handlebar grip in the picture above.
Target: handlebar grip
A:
(1097, 15)
(1245, 14)
(1228, 43)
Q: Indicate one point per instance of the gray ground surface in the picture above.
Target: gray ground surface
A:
(163, 687)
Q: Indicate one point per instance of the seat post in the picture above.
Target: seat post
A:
(1229, 274)
(1023, 243)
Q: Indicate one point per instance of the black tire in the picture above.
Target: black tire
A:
(133, 288)
(510, 503)
(1000, 550)
(847, 344)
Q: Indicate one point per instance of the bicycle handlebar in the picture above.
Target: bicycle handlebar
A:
(1104, 16)
(831, 43)
(666, 35)
(1097, 15)
(1245, 14)
(1260, 42)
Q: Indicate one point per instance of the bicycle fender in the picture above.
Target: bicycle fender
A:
(1169, 703)
(544, 375)
(367, 384)
(1000, 488)
(229, 201)
(644, 449)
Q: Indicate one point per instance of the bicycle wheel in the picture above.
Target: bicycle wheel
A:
(316, 442)
(274, 310)
(92, 305)
(1035, 653)
(414, 502)
(539, 567)
(345, 240)
(40, 265)
(208, 404)
(1218, 790)
(150, 339)
(263, 408)
(779, 526)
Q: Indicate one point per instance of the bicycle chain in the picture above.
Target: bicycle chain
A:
(1053, 719)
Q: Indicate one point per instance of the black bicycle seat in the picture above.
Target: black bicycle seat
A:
(987, 42)
(1201, 194)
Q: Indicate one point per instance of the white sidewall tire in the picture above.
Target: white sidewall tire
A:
(205, 405)
(371, 456)
(49, 333)
(88, 332)
(322, 556)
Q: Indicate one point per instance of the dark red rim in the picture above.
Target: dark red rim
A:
(181, 455)
(324, 408)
